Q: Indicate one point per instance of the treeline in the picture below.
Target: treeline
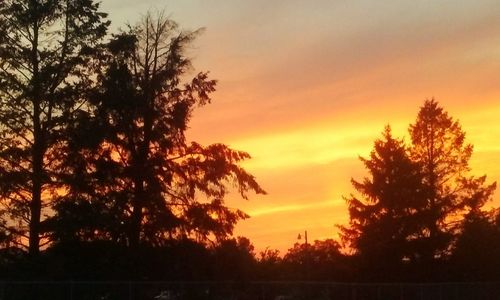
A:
(235, 260)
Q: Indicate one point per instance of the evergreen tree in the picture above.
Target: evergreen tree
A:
(385, 217)
(439, 147)
(44, 48)
(132, 166)
(419, 198)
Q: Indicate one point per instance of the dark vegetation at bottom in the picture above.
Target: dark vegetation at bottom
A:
(247, 290)
(234, 260)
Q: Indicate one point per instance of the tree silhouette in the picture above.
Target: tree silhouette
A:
(44, 48)
(438, 145)
(269, 264)
(385, 218)
(320, 260)
(131, 164)
(476, 254)
(418, 199)
(234, 259)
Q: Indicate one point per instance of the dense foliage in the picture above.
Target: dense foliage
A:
(419, 205)
(44, 49)
(131, 169)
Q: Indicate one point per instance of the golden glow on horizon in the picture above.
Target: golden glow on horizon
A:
(303, 147)
(289, 208)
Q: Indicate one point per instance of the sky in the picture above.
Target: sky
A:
(307, 86)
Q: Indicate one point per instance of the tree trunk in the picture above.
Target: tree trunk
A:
(139, 180)
(134, 235)
(37, 149)
(36, 203)
(140, 165)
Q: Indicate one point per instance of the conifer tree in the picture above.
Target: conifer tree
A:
(133, 168)
(418, 197)
(384, 217)
(45, 46)
(439, 146)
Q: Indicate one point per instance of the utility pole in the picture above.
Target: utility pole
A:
(306, 254)
(299, 237)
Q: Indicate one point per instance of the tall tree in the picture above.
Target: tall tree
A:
(44, 46)
(438, 145)
(385, 216)
(146, 181)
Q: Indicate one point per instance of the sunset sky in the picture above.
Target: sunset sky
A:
(306, 87)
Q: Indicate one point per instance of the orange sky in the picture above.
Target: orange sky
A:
(306, 86)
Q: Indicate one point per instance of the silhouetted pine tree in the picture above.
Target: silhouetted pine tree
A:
(418, 199)
(438, 145)
(385, 218)
(44, 49)
(133, 169)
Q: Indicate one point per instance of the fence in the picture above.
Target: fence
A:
(89, 290)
